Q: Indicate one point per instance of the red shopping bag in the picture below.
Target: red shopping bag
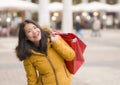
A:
(79, 47)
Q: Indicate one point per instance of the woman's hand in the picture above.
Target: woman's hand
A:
(54, 37)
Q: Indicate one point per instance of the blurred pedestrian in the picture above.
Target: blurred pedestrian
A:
(96, 28)
(43, 55)
(78, 28)
(58, 25)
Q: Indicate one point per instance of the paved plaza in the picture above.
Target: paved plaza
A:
(101, 67)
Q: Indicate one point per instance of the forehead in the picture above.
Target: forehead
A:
(29, 26)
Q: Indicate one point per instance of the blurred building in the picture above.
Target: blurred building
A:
(109, 19)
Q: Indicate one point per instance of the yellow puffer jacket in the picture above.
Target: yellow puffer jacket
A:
(51, 69)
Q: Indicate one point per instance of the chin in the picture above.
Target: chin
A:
(38, 39)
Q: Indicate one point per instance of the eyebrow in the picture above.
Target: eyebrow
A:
(30, 28)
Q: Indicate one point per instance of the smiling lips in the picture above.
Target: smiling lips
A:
(36, 36)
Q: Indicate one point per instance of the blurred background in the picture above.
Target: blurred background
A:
(55, 12)
(96, 22)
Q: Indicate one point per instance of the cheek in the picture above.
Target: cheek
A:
(29, 36)
(40, 36)
(39, 32)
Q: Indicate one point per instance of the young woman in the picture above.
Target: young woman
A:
(43, 55)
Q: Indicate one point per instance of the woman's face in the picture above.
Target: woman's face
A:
(33, 33)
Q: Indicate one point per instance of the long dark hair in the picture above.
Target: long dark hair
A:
(23, 50)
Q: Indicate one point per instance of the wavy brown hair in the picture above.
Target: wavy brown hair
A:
(23, 49)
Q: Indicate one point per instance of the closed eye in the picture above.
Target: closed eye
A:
(28, 31)
(34, 27)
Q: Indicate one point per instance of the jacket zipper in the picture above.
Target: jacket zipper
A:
(53, 70)
(65, 71)
(39, 76)
(41, 79)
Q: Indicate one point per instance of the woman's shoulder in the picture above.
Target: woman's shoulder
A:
(34, 53)
(34, 57)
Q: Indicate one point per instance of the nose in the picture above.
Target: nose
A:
(34, 31)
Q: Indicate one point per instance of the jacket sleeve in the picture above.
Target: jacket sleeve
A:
(63, 49)
(30, 72)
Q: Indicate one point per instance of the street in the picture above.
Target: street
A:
(101, 66)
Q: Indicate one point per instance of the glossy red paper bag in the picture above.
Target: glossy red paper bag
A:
(79, 47)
